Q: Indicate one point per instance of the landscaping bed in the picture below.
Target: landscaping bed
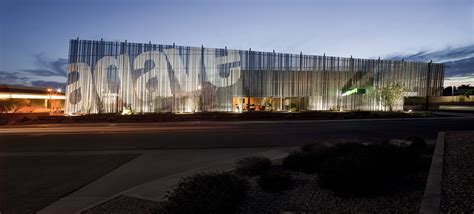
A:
(458, 169)
(341, 178)
(11, 119)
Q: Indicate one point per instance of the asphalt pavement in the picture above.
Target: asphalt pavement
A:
(207, 134)
(172, 148)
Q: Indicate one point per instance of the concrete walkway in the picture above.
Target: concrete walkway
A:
(152, 173)
(432, 195)
(156, 189)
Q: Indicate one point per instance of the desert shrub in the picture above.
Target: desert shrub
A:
(309, 147)
(252, 166)
(275, 181)
(366, 170)
(357, 114)
(298, 161)
(308, 159)
(24, 119)
(418, 143)
(3, 121)
(206, 193)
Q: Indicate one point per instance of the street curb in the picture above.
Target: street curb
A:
(432, 195)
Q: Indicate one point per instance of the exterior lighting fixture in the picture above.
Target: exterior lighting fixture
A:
(126, 112)
(199, 87)
(58, 90)
(49, 90)
(354, 91)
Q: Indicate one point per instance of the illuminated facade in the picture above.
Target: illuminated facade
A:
(110, 77)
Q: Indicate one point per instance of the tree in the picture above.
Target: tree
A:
(12, 105)
(391, 94)
(449, 91)
(468, 92)
(195, 100)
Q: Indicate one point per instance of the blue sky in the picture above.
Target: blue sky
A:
(34, 34)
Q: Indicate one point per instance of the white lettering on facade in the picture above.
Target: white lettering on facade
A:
(153, 80)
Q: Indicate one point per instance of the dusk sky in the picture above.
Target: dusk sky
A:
(34, 34)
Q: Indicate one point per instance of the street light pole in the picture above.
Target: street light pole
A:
(50, 103)
(200, 95)
(452, 91)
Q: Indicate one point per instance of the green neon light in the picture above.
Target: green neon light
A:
(352, 91)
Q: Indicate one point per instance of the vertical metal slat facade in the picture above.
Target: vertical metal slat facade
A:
(107, 77)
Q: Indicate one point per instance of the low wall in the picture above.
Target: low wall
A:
(440, 99)
(456, 103)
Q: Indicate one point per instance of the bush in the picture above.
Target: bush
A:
(24, 119)
(252, 166)
(418, 143)
(309, 147)
(275, 181)
(298, 161)
(308, 160)
(4, 121)
(206, 193)
(359, 170)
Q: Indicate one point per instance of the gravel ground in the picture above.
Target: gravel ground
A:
(307, 197)
(124, 204)
(259, 201)
(304, 197)
(458, 173)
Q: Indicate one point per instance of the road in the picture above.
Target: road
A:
(40, 160)
(207, 134)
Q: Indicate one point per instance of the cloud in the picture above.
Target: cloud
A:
(459, 63)
(40, 72)
(465, 79)
(49, 84)
(12, 78)
(17, 78)
(460, 67)
(48, 67)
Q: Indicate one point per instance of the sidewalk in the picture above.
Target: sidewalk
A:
(151, 174)
(156, 190)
